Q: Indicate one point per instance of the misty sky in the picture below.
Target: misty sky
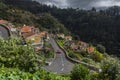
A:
(81, 3)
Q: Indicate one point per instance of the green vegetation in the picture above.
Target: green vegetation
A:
(110, 69)
(100, 48)
(16, 74)
(80, 72)
(48, 51)
(60, 42)
(19, 16)
(92, 26)
(22, 62)
(18, 56)
(93, 58)
(72, 54)
(51, 23)
(97, 56)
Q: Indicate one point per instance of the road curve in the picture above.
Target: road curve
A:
(61, 64)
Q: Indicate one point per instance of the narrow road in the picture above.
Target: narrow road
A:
(60, 65)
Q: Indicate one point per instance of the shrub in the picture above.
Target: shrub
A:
(110, 69)
(100, 48)
(18, 56)
(94, 76)
(97, 56)
(72, 55)
(84, 53)
(86, 60)
(16, 74)
(80, 72)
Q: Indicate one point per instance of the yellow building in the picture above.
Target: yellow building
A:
(36, 38)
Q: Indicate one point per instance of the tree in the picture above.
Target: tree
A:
(91, 25)
(50, 22)
(114, 71)
(93, 9)
(100, 48)
(110, 69)
(80, 72)
(18, 56)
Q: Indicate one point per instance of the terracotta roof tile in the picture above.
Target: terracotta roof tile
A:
(42, 33)
(3, 21)
(27, 34)
(26, 29)
(90, 49)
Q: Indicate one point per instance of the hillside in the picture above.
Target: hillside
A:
(82, 55)
(92, 26)
(19, 16)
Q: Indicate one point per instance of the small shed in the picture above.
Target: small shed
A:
(4, 32)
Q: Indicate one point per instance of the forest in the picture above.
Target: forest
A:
(97, 27)
(92, 26)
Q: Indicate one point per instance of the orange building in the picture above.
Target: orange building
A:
(27, 31)
(90, 49)
(3, 21)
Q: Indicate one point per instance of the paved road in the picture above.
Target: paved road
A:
(60, 65)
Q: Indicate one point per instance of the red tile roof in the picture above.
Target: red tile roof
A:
(25, 35)
(3, 21)
(26, 29)
(68, 36)
(43, 33)
(90, 49)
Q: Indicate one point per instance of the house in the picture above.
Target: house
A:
(31, 34)
(61, 35)
(79, 42)
(45, 35)
(82, 45)
(90, 49)
(28, 31)
(79, 45)
(3, 22)
(36, 38)
(76, 47)
(6, 23)
(69, 38)
(4, 32)
(10, 26)
(73, 46)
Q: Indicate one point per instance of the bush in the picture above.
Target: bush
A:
(97, 56)
(80, 72)
(16, 74)
(86, 60)
(94, 76)
(100, 48)
(84, 53)
(18, 56)
(72, 55)
(110, 69)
